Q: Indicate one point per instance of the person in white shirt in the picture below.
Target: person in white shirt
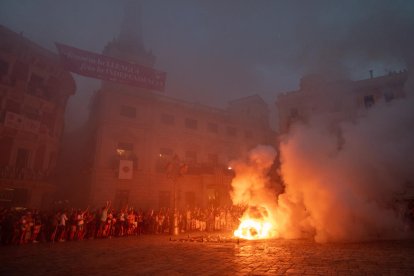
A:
(62, 226)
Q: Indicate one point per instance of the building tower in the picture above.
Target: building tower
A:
(129, 44)
(138, 134)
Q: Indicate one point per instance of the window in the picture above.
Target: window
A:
(167, 119)
(164, 160)
(369, 101)
(231, 131)
(212, 127)
(128, 111)
(190, 123)
(126, 146)
(191, 156)
(125, 150)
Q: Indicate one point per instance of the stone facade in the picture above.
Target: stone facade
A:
(337, 100)
(179, 150)
(157, 133)
(34, 89)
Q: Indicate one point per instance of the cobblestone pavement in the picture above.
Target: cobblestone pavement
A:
(157, 255)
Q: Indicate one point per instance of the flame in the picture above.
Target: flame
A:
(251, 229)
(255, 224)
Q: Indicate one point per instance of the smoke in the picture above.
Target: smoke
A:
(251, 177)
(337, 187)
(251, 187)
(349, 192)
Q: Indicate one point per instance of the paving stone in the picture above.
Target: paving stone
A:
(157, 255)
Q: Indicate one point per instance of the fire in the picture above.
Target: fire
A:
(255, 224)
(251, 229)
(251, 188)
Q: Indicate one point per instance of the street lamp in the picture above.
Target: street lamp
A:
(174, 170)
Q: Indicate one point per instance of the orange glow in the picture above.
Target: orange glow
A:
(255, 225)
(252, 229)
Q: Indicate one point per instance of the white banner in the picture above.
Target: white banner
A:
(107, 68)
(126, 168)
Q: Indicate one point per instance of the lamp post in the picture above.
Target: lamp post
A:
(174, 170)
(175, 229)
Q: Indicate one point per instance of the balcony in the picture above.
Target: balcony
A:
(15, 173)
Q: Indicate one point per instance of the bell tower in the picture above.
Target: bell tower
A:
(129, 44)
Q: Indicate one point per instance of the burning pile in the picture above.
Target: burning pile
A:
(255, 224)
(250, 188)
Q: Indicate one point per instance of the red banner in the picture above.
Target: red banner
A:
(107, 68)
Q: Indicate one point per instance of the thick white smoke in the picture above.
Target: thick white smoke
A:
(337, 189)
(251, 178)
(349, 193)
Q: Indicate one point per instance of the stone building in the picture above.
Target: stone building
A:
(337, 101)
(150, 150)
(34, 89)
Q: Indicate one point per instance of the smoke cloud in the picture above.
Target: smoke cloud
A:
(349, 193)
(337, 188)
(251, 188)
(251, 177)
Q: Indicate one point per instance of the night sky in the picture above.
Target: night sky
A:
(216, 51)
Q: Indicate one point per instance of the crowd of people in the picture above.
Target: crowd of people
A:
(21, 226)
